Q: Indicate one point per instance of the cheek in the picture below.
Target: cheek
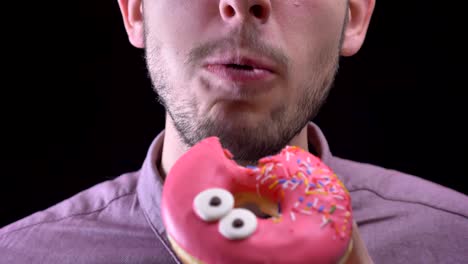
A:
(313, 30)
(179, 30)
(181, 24)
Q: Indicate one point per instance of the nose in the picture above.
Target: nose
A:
(257, 10)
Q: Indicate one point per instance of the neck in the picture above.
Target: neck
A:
(174, 147)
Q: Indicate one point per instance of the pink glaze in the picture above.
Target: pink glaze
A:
(301, 234)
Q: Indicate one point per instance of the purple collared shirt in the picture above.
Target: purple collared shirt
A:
(401, 218)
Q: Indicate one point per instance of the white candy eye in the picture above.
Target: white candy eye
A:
(240, 223)
(213, 204)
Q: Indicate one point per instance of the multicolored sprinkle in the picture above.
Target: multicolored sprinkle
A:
(322, 190)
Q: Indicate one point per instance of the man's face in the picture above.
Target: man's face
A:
(255, 111)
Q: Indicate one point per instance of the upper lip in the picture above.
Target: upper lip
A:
(254, 62)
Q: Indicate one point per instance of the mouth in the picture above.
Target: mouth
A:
(243, 63)
(241, 68)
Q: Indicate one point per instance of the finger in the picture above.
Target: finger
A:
(359, 253)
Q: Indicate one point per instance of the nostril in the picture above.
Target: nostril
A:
(229, 11)
(257, 11)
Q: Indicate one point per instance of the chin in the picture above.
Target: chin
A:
(239, 110)
(239, 120)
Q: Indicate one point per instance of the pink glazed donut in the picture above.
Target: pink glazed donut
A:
(290, 208)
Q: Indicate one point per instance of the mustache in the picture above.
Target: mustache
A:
(245, 38)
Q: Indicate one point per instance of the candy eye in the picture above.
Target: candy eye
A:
(213, 204)
(238, 224)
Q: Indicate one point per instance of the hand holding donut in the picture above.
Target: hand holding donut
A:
(359, 254)
(290, 208)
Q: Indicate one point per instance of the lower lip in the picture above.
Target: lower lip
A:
(236, 75)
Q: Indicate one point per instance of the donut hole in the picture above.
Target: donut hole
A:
(262, 207)
(255, 209)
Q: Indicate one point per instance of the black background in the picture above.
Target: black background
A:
(77, 107)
